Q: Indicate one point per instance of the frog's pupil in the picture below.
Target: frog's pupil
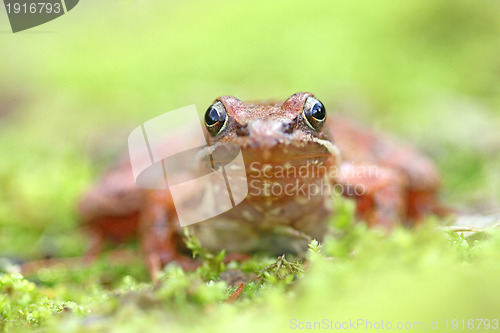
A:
(318, 111)
(314, 113)
(213, 116)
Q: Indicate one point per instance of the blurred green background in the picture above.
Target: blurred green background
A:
(72, 89)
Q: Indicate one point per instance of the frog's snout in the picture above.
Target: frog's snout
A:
(267, 133)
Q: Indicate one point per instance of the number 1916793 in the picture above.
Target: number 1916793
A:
(472, 324)
(33, 8)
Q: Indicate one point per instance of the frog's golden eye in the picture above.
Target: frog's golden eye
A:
(314, 113)
(215, 118)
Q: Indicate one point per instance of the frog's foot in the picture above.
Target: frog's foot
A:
(95, 248)
(380, 193)
(157, 260)
(422, 203)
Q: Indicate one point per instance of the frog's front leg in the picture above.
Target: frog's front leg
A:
(161, 240)
(380, 193)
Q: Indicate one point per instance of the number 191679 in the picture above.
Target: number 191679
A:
(34, 8)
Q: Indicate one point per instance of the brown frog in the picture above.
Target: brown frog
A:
(295, 158)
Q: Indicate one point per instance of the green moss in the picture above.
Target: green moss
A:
(22, 304)
(380, 276)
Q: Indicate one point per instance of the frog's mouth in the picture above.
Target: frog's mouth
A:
(286, 165)
(305, 162)
(315, 151)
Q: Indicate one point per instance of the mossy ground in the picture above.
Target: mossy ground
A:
(425, 71)
(411, 276)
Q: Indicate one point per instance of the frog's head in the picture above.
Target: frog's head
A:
(272, 132)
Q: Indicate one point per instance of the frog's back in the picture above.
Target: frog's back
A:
(111, 207)
(359, 144)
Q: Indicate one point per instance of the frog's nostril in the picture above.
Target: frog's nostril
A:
(242, 131)
(288, 128)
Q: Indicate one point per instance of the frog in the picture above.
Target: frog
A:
(297, 158)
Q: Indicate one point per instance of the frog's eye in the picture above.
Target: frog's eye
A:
(215, 118)
(314, 113)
